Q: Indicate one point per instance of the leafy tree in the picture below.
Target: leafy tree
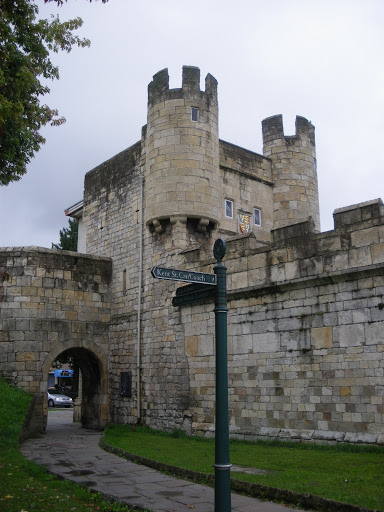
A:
(25, 63)
(68, 237)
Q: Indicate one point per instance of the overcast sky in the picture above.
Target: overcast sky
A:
(321, 59)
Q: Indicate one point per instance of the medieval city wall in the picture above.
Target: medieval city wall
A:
(53, 301)
(306, 334)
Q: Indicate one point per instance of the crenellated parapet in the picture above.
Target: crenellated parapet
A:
(295, 196)
(273, 130)
(158, 89)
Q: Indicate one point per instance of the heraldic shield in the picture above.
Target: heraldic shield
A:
(244, 223)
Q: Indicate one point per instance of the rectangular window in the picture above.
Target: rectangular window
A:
(257, 216)
(229, 209)
(195, 114)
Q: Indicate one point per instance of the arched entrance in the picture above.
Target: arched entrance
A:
(90, 364)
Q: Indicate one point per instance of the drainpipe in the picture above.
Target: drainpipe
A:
(139, 306)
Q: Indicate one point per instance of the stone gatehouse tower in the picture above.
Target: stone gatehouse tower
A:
(306, 309)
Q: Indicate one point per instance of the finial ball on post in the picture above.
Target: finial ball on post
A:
(219, 249)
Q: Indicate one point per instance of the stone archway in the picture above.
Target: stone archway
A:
(93, 364)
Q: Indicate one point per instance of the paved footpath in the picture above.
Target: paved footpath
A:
(73, 453)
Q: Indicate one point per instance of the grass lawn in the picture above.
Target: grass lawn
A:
(27, 487)
(351, 474)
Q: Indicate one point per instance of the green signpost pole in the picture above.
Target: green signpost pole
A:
(222, 465)
(206, 286)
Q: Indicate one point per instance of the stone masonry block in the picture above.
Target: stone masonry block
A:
(377, 252)
(206, 345)
(257, 276)
(352, 437)
(191, 346)
(242, 344)
(257, 260)
(267, 342)
(240, 280)
(349, 335)
(321, 337)
(360, 257)
(365, 237)
(292, 270)
(25, 356)
(278, 273)
(324, 435)
(374, 333)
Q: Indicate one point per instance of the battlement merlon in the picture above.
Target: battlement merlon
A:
(273, 129)
(211, 86)
(158, 89)
(191, 78)
(348, 216)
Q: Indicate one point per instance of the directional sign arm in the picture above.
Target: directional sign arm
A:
(199, 294)
(188, 276)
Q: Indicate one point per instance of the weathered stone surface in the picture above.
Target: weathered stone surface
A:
(321, 337)
(324, 435)
(41, 329)
(306, 309)
(360, 438)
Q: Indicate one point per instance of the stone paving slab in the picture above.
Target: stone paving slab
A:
(72, 452)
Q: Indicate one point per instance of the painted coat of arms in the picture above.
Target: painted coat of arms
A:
(244, 222)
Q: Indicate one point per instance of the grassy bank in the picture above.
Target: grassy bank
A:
(347, 473)
(27, 486)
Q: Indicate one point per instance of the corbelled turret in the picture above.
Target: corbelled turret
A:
(182, 152)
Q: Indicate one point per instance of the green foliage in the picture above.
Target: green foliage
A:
(178, 434)
(348, 473)
(14, 404)
(27, 486)
(68, 237)
(25, 67)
